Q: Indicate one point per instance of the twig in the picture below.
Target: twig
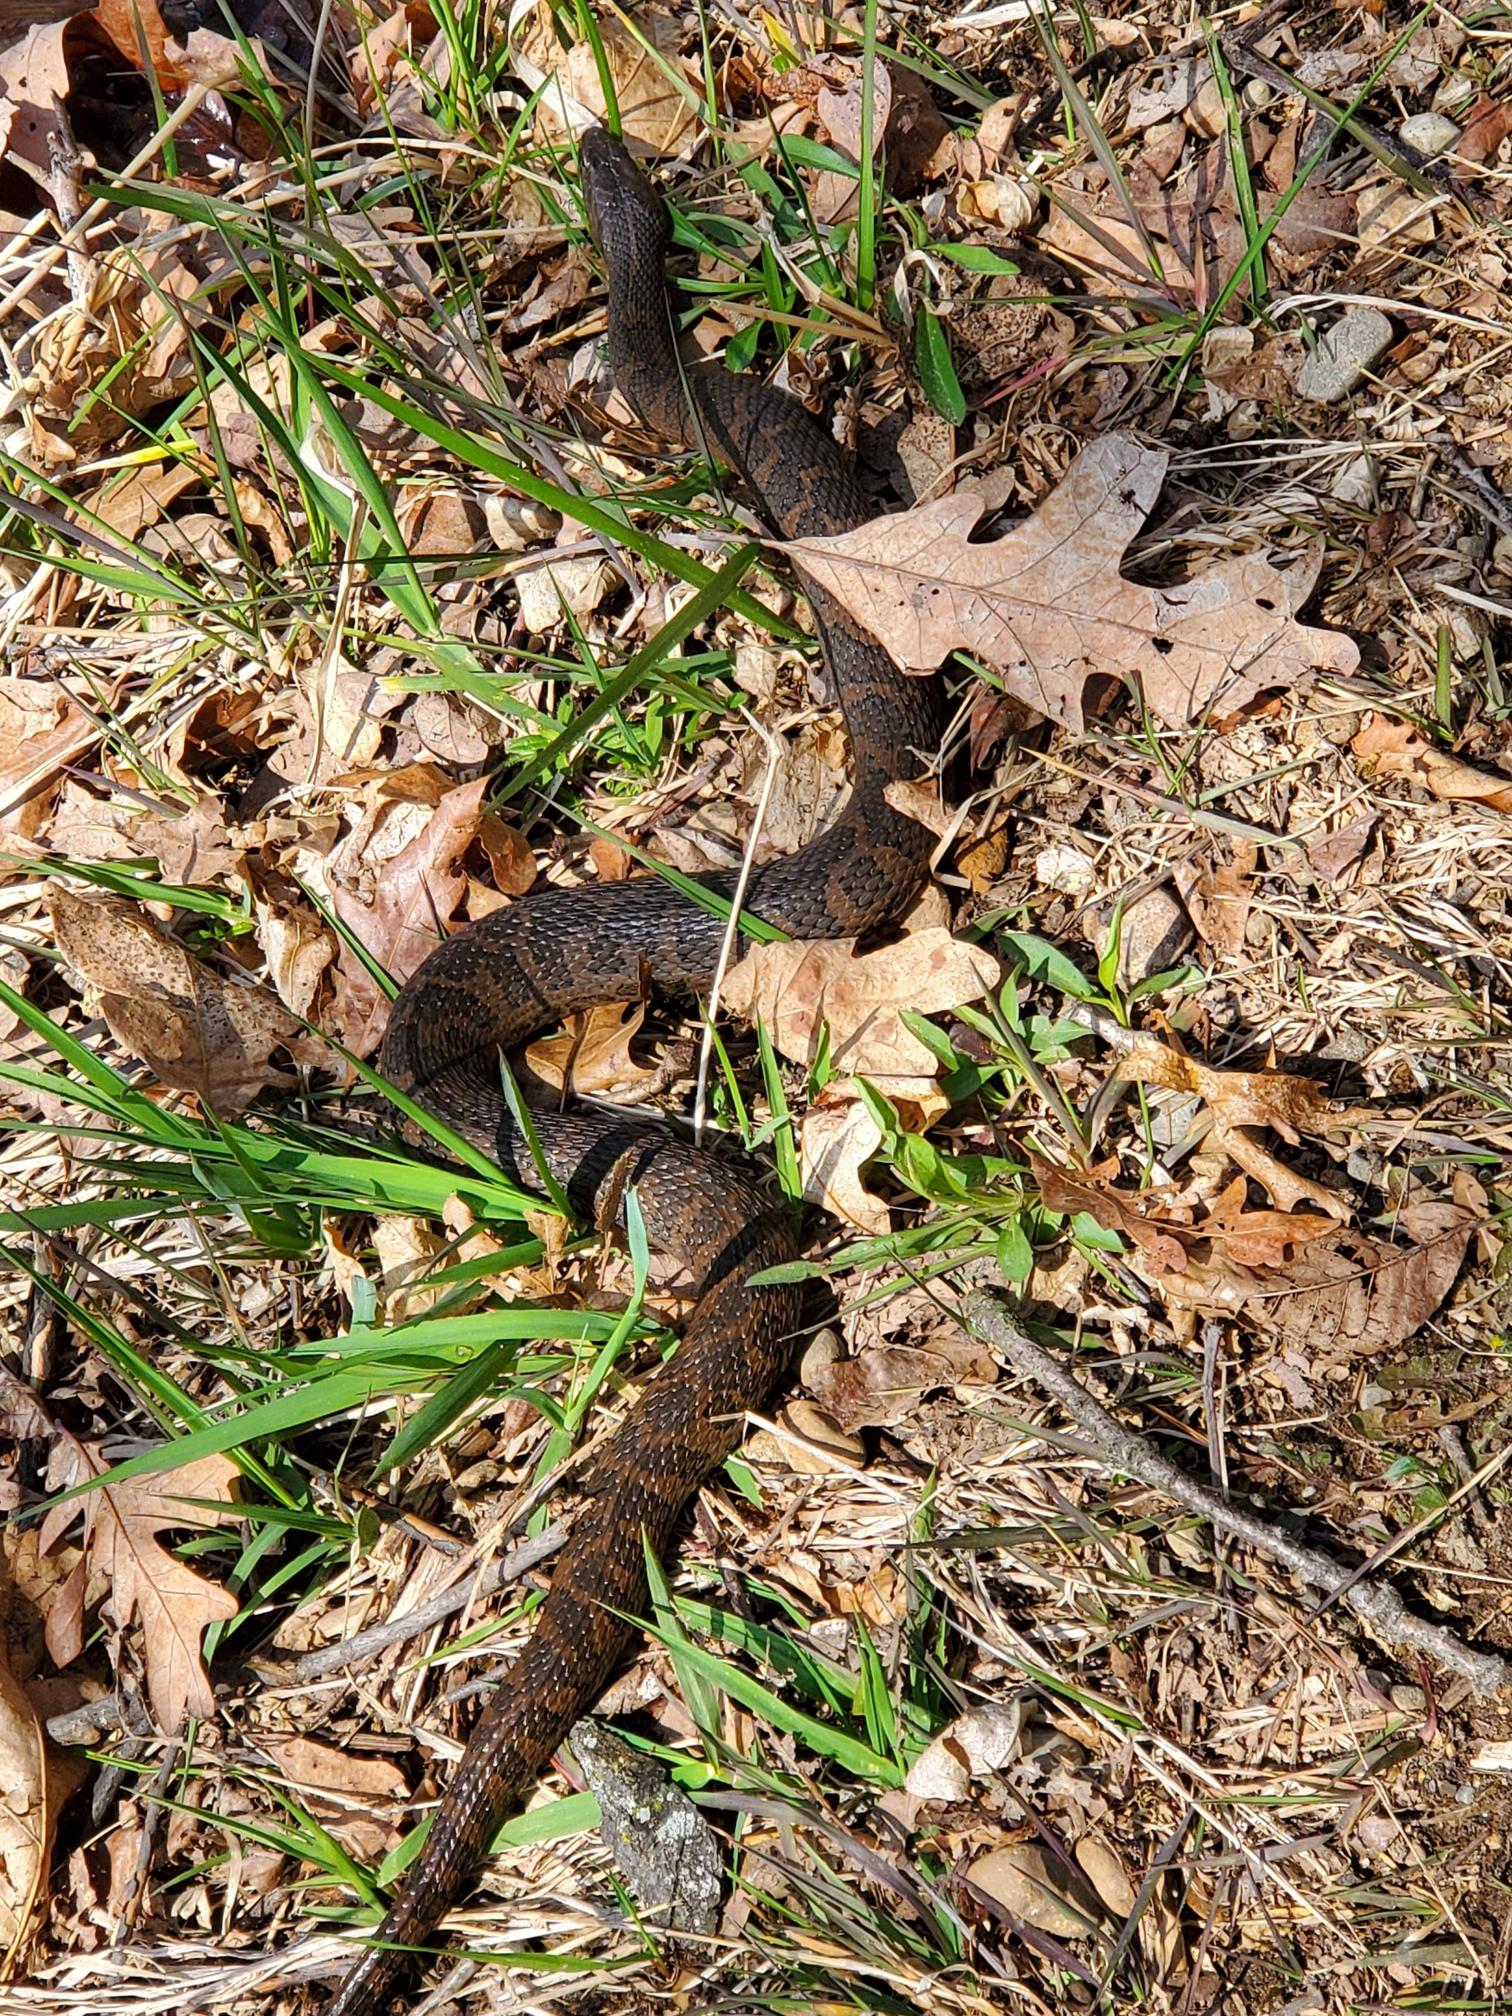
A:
(378, 1637)
(1375, 1604)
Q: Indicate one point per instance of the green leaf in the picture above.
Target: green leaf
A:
(937, 373)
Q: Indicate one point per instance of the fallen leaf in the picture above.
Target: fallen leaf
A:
(1239, 1100)
(837, 1138)
(592, 1053)
(342, 1790)
(1330, 854)
(142, 1579)
(1217, 895)
(798, 990)
(27, 1819)
(1137, 1216)
(1047, 606)
(1488, 124)
(196, 1029)
(1387, 748)
(883, 1385)
(1358, 1292)
(398, 903)
(41, 729)
(1292, 1105)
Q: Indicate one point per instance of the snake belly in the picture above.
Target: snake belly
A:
(557, 952)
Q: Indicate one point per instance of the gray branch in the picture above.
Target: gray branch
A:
(1376, 1604)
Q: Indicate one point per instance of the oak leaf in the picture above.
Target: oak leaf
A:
(1048, 608)
(196, 1029)
(1353, 1291)
(1387, 748)
(798, 990)
(142, 1579)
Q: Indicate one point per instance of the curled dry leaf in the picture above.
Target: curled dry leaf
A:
(592, 1053)
(1240, 1100)
(41, 729)
(26, 1817)
(1387, 748)
(1141, 1218)
(142, 1579)
(1293, 1106)
(1047, 606)
(837, 1139)
(197, 1030)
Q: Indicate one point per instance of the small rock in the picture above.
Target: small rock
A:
(983, 1739)
(1152, 934)
(1431, 133)
(1344, 354)
(815, 1444)
(1354, 483)
(1107, 1875)
(1045, 1894)
(1207, 116)
(661, 1843)
(1064, 868)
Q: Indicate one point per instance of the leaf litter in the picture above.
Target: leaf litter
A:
(1275, 1215)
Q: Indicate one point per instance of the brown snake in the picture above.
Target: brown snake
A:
(559, 951)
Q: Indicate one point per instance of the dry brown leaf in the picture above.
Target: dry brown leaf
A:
(1387, 748)
(401, 912)
(1330, 854)
(197, 1030)
(1239, 1100)
(1357, 1292)
(1136, 1215)
(837, 1138)
(655, 108)
(1261, 1238)
(27, 1819)
(798, 989)
(592, 1053)
(510, 855)
(883, 1385)
(1291, 1105)
(41, 729)
(343, 1790)
(141, 1579)
(1217, 896)
(1047, 606)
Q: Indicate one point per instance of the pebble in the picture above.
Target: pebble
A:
(1431, 133)
(1344, 354)
(1025, 1881)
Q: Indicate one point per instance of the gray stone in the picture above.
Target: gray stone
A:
(1431, 133)
(1344, 354)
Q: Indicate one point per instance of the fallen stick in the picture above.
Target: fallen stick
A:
(1376, 1604)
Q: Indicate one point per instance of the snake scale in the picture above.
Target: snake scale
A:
(559, 951)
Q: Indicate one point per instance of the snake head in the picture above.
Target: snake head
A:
(625, 213)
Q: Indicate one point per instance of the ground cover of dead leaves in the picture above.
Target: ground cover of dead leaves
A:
(1291, 1163)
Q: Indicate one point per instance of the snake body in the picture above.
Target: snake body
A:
(557, 952)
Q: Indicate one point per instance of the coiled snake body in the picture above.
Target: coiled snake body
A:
(557, 952)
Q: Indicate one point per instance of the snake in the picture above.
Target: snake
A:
(558, 951)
